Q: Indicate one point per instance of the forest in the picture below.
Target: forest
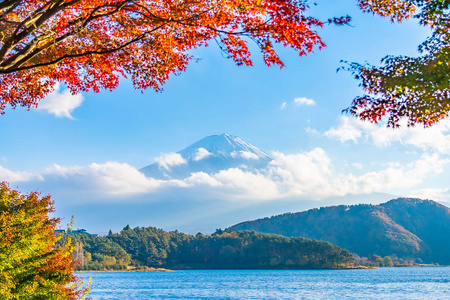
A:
(404, 229)
(151, 247)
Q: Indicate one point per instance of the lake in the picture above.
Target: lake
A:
(382, 283)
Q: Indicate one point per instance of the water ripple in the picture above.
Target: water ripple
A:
(383, 283)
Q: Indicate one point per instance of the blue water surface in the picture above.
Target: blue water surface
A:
(382, 283)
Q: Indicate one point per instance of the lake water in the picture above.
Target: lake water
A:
(382, 283)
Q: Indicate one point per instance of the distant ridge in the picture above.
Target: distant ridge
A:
(406, 228)
(211, 155)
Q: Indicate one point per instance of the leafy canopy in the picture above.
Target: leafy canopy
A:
(88, 44)
(402, 87)
(31, 266)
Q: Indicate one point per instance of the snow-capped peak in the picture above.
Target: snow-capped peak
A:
(209, 155)
(225, 146)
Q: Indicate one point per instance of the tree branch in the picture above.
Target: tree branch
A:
(100, 52)
(31, 50)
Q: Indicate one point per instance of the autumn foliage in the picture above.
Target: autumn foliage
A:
(415, 89)
(31, 265)
(89, 44)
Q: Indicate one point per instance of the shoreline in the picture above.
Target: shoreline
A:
(126, 270)
(169, 270)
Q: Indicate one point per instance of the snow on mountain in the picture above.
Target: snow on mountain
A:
(225, 146)
(210, 155)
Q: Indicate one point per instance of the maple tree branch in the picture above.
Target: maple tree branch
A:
(37, 18)
(118, 7)
(17, 36)
(99, 52)
(35, 15)
(31, 50)
(7, 7)
(32, 23)
(243, 32)
(147, 10)
(8, 4)
(180, 21)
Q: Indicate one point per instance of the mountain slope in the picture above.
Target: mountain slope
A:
(427, 219)
(406, 228)
(210, 155)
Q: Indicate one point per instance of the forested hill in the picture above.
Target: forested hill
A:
(404, 228)
(154, 247)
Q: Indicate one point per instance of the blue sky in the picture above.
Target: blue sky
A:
(71, 141)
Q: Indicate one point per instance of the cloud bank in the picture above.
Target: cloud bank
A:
(307, 175)
(17, 176)
(435, 138)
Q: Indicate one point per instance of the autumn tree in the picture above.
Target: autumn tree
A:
(413, 88)
(89, 44)
(31, 265)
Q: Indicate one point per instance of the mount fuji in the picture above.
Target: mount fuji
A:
(209, 155)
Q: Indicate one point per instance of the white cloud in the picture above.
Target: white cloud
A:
(312, 132)
(283, 105)
(201, 178)
(201, 153)
(245, 155)
(435, 138)
(357, 166)
(304, 174)
(237, 183)
(109, 178)
(304, 101)
(169, 160)
(311, 175)
(308, 175)
(249, 155)
(17, 176)
(61, 104)
(398, 177)
(346, 130)
(439, 194)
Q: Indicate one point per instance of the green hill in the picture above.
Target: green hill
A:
(404, 228)
(154, 247)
